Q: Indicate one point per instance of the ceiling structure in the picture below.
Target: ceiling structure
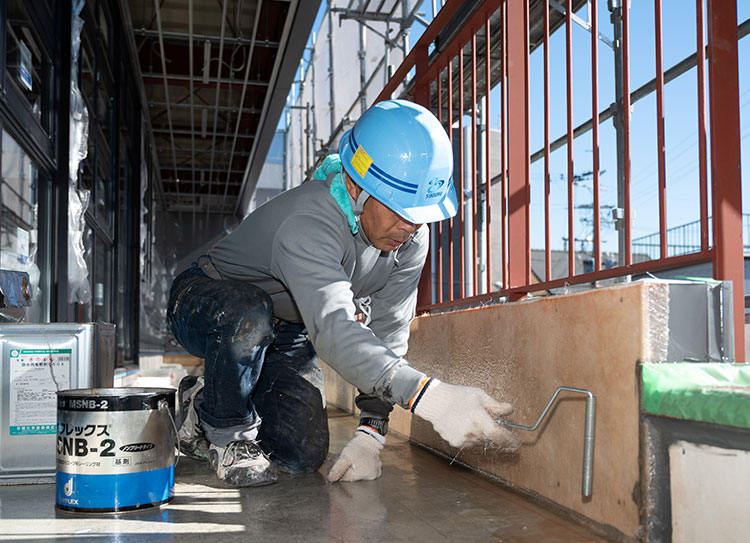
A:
(216, 74)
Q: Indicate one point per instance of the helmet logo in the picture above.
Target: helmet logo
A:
(434, 188)
(361, 162)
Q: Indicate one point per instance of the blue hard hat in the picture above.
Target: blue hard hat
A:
(399, 153)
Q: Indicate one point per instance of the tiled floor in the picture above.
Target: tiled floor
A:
(418, 498)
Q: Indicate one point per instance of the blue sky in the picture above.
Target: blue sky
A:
(680, 99)
(681, 122)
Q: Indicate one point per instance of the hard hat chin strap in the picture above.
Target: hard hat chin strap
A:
(359, 204)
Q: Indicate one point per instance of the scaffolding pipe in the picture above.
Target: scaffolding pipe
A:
(314, 96)
(237, 125)
(166, 99)
(219, 66)
(362, 67)
(406, 17)
(308, 133)
(384, 62)
(588, 434)
(332, 94)
(387, 56)
(285, 154)
(192, 104)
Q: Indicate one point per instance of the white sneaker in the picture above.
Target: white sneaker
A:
(242, 463)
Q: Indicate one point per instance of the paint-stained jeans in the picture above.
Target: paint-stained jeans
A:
(260, 376)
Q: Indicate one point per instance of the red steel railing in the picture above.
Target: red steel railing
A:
(491, 48)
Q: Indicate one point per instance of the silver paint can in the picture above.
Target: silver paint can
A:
(115, 449)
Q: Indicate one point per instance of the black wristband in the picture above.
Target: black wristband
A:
(379, 425)
(421, 393)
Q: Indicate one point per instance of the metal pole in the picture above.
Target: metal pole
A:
(332, 91)
(192, 115)
(460, 188)
(481, 197)
(219, 66)
(422, 97)
(467, 205)
(362, 54)
(660, 135)
(726, 176)
(387, 65)
(594, 20)
(404, 22)
(312, 107)
(285, 174)
(435, 264)
(547, 245)
(61, 310)
(519, 265)
(474, 272)
(308, 133)
(571, 171)
(487, 165)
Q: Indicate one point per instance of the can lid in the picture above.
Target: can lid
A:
(114, 399)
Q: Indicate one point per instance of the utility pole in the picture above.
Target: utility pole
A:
(618, 213)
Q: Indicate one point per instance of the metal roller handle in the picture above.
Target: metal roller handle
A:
(588, 434)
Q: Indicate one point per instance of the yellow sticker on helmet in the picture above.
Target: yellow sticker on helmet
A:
(361, 161)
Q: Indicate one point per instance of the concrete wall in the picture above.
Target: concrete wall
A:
(521, 352)
(709, 493)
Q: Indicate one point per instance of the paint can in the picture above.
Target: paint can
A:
(115, 449)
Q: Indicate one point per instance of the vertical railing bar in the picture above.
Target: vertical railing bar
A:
(527, 214)
(726, 174)
(451, 221)
(626, 130)
(433, 248)
(547, 243)
(421, 95)
(474, 193)
(488, 173)
(439, 225)
(702, 146)
(595, 132)
(569, 96)
(460, 189)
(661, 153)
(503, 143)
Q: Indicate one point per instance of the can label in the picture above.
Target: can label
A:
(113, 460)
(114, 442)
(35, 376)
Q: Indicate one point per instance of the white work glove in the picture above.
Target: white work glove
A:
(359, 460)
(464, 416)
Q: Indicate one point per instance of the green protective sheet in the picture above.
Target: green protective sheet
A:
(718, 393)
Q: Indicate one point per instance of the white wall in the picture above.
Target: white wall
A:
(710, 493)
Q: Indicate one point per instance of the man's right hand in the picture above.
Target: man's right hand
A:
(465, 416)
(359, 460)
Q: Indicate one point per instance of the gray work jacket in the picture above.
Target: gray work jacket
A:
(299, 248)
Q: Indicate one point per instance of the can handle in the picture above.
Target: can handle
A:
(164, 406)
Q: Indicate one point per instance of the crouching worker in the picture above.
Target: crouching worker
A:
(329, 269)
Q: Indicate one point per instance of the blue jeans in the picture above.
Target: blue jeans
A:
(262, 379)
